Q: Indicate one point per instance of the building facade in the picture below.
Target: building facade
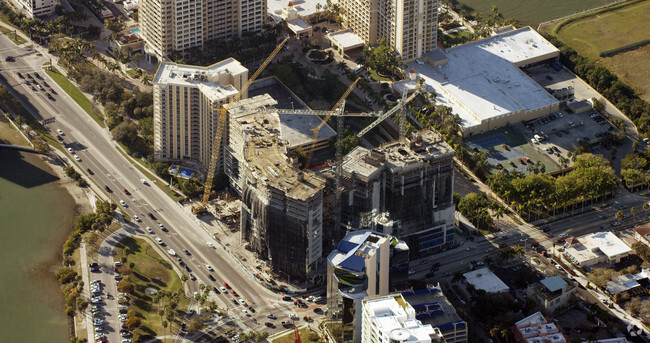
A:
(187, 103)
(391, 319)
(409, 26)
(168, 25)
(409, 182)
(551, 293)
(365, 263)
(36, 8)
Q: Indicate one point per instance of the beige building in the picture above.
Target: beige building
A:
(36, 8)
(551, 293)
(168, 25)
(409, 26)
(186, 99)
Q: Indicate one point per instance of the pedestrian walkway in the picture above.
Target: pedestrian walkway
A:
(86, 279)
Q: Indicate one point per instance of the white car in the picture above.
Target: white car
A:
(144, 182)
(149, 230)
(77, 158)
(98, 322)
(60, 132)
(223, 290)
(159, 241)
(160, 225)
(241, 301)
(70, 150)
(209, 267)
(122, 203)
(171, 252)
(136, 218)
(246, 313)
(563, 235)
(210, 245)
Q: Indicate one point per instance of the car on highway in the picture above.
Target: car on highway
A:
(209, 267)
(28, 76)
(564, 234)
(70, 150)
(246, 313)
(186, 252)
(241, 301)
(151, 216)
(51, 90)
(144, 182)
(136, 218)
(225, 284)
(39, 87)
(502, 245)
(149, 230)
(192, 277)
(122, 203)
(126, 191)
(59, 131)
(171, 252)
(234, 301)
(159, 241)
(162, 227)
(223, 290)
(269, 324)
(210, 245)
(234, 293)
(10, 59)
(108, 189)
(77, 158)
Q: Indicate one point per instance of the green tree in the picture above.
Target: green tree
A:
(125, 133)
(126, 286)
(133, 322)
(381, 58)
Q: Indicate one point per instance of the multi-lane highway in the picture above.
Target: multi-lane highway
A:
(99, 153)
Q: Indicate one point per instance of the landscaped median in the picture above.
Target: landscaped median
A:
(146, 272)
(76, 94)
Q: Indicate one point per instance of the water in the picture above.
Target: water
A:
(135, 31)
(533, 12)
(35, 216)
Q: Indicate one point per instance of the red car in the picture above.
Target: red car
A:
(502, 245)
(234, 293)
(59, 137)
(125, 191)
(225, 284)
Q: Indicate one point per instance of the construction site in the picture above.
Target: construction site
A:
(290, 216)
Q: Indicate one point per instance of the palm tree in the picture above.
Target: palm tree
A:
(146, 78)
(620, 214)
(633, 211)
(646, 206)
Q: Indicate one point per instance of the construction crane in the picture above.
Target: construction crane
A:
(295, 331)
(401, 106)
(328, 115)
(221, 123)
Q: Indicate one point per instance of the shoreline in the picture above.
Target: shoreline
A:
(81, 204)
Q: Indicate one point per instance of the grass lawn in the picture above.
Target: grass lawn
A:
(591, 35)
(132, 73)
(289, 336)
(626, 66)
(150, 270)
(373, 75)
(10, 33)
(76, 94)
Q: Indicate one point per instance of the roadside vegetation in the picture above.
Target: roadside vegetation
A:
(142, 267)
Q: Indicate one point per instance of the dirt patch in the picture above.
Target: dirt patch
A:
(629, 67)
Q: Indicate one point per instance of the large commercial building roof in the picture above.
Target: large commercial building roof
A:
(345, 39)
(486, 280)
(210, 79)
(303, 7)
(592, 248)
(481, 80)
(608, 243)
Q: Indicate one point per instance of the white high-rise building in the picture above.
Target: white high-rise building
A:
(186, 102)
(409, 26)
(168, 25)
(391, 319)
(37, 8)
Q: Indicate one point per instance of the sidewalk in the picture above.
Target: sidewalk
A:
(86, 279)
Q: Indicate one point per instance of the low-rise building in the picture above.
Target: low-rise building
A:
(485, 279)
(432, 307)
(595, 248)
(391, 319)
(632, 284)
(551, 293)
(538, 329)
(642, 234)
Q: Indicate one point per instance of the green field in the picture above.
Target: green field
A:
(150, 270)
(591, 35)
(531, 12)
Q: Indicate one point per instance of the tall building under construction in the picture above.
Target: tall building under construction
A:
(403, 188)
(282, 206)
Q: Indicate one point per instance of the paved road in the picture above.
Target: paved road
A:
(99, 153)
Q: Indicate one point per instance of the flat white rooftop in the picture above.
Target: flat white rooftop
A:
(395, 318)
(482, 80)
(298, 25)
(609, 244)
(303, 7)
(346, 39)
(204, 78)
(299, 129)
(486, 280)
